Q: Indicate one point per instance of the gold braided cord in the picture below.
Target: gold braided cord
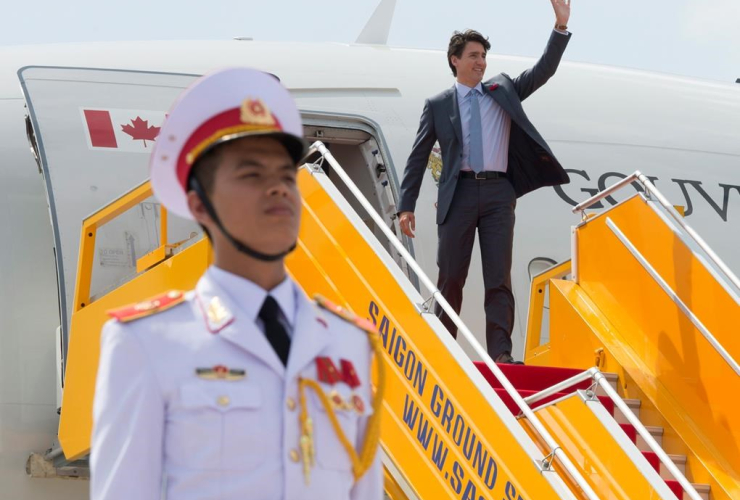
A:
(222, 133)
(361, 463)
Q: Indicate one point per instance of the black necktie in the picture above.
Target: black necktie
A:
(274, 330)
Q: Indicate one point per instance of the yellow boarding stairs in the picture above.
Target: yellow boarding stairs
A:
(650, 301)
(446, 432)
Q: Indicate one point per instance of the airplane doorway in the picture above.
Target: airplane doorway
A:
(359, 149)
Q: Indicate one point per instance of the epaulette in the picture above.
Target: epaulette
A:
(148, 307)
(345, 314)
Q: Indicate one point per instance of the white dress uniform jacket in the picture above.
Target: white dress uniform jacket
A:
(160, 427)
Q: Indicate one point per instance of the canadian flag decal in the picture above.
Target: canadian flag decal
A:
(128, 130)
(101, 128)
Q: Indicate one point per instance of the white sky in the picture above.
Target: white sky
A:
(699, 38)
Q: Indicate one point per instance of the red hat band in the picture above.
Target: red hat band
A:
(253, 117)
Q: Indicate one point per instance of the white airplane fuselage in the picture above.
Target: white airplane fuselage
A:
(602, 123)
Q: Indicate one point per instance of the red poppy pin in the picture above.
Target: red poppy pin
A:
(493, 87)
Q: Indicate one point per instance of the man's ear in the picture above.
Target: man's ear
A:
(198, 209)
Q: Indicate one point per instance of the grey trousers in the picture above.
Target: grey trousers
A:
(487, 205)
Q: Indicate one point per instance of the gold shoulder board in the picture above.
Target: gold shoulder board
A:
(148, 307)
(345, 314)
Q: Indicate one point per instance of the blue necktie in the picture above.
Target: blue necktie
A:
(476, 133)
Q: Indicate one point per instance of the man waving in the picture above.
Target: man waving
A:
(491, 155)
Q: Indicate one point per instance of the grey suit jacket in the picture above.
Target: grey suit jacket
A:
(531, 162)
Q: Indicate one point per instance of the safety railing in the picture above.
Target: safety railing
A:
(674, 296)
(553, 447)
(600, 380)
(653, 192)
(664, 308)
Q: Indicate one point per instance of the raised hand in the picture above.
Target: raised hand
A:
(562, 11)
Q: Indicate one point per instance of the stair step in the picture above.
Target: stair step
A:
(653, 460)
(630, 430)
(675, 488)
(634, 405)
(701, 489)
(531, 378)
(679, 461)
(655, 432)
(613, 380)
(606, 402)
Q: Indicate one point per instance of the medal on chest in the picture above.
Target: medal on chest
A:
(327, 372)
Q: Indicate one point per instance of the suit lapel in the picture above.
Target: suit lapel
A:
(499, 95)
(221, 318)
(310, 336)
(454, 108)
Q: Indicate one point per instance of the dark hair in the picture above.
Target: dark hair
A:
(204, 168)
(458, 43)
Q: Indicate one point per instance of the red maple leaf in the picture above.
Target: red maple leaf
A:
(141, 131)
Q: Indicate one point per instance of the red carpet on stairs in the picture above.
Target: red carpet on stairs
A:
(675, 487)
(529, 380)
(652, 459)
(630, 431)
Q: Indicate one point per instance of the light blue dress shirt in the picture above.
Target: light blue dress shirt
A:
(496, 127)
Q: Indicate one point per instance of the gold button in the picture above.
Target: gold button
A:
(294, 455)
(223, 401)
(291, 404)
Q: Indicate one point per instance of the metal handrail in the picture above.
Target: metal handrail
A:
(319, 147)
(654, 192)
(600, 379)
(559, 387)
(606, 192)
(673, 296)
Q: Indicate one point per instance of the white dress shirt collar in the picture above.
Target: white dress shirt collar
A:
(249, 296)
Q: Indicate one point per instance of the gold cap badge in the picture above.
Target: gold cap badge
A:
(256, 112)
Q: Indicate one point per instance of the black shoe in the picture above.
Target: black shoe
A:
(507, 359)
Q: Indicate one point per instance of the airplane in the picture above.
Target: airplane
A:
(364, 101)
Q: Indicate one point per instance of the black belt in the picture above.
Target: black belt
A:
(469, 174)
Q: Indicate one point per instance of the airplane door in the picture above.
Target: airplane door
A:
(92, 131)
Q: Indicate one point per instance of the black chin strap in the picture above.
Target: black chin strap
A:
(195, 185)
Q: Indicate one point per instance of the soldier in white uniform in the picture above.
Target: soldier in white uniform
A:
(226, 392)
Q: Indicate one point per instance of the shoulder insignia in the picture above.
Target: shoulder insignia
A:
(148, 307)
(345, 314)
